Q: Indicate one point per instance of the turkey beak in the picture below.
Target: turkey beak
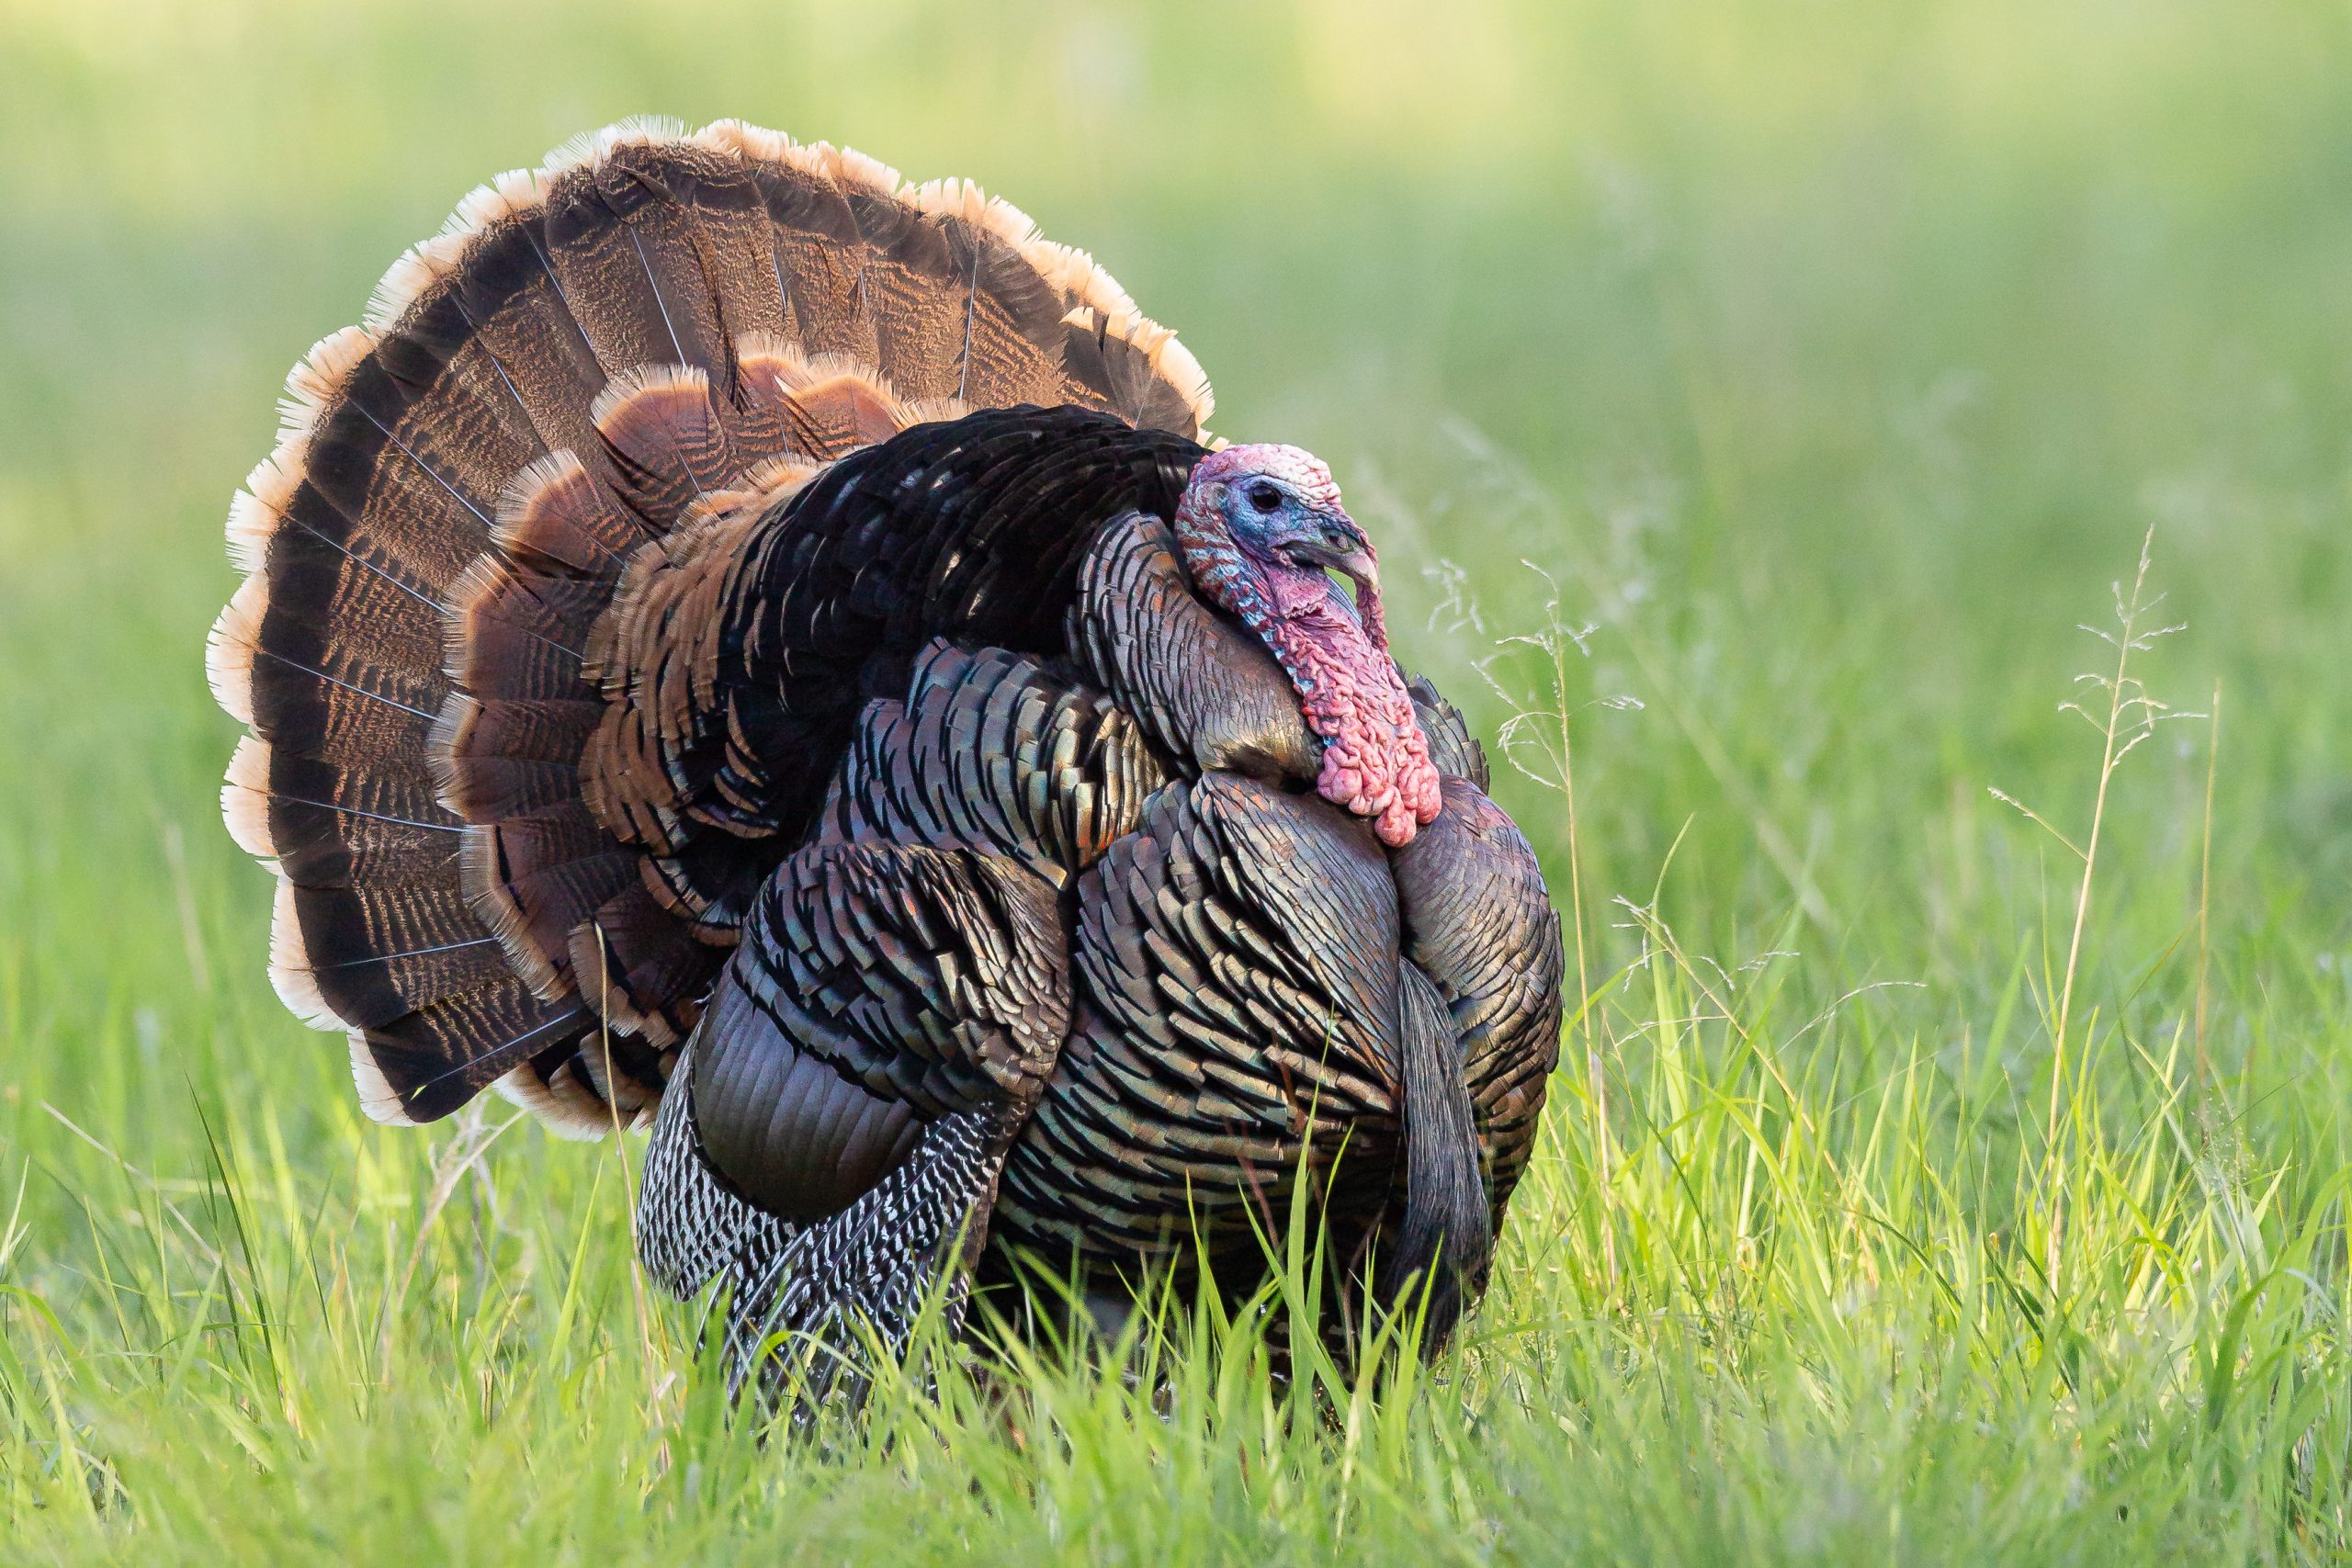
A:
(1358, 568)
(1353, 560)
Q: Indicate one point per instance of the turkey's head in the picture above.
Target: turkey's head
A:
(1262, 529)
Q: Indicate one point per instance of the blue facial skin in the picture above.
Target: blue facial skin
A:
(1275, 523)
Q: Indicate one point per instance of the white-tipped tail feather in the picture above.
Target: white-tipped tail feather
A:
(319, 376)
(567, 1107)
(595, 146)
(962, 199)
(378, 1098)
(229, 649)
(289, 964)
(244, 799)
(513, 192)
(647, 378)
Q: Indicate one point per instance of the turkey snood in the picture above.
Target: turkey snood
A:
(1259, 525)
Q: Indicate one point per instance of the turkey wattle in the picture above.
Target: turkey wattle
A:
(744, 645)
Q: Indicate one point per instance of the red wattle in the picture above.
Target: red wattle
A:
(1376, 760)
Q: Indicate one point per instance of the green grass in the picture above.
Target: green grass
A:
(1832, 359)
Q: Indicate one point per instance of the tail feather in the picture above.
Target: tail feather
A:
(556, 518)
(556, 1088)
(493, 788)
(332, 828)
(667, 443)
(509, 304)
(641, 968)
(913, 286)
(1014, 337)
(437, 1058)
(827, 407)
(820, 254)
(532, 878)
(614, 238)
(520, 635)
(345, 934)
(473, 728)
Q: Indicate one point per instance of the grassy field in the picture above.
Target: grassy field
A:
(1951, 1163)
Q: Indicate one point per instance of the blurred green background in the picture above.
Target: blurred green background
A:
(1833, 357)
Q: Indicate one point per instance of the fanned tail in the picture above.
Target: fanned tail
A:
(578, 388)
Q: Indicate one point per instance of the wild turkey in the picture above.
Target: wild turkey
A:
(740, 645)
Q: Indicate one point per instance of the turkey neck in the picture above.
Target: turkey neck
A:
(1335, 653)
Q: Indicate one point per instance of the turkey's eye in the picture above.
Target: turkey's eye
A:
(1265, 497)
